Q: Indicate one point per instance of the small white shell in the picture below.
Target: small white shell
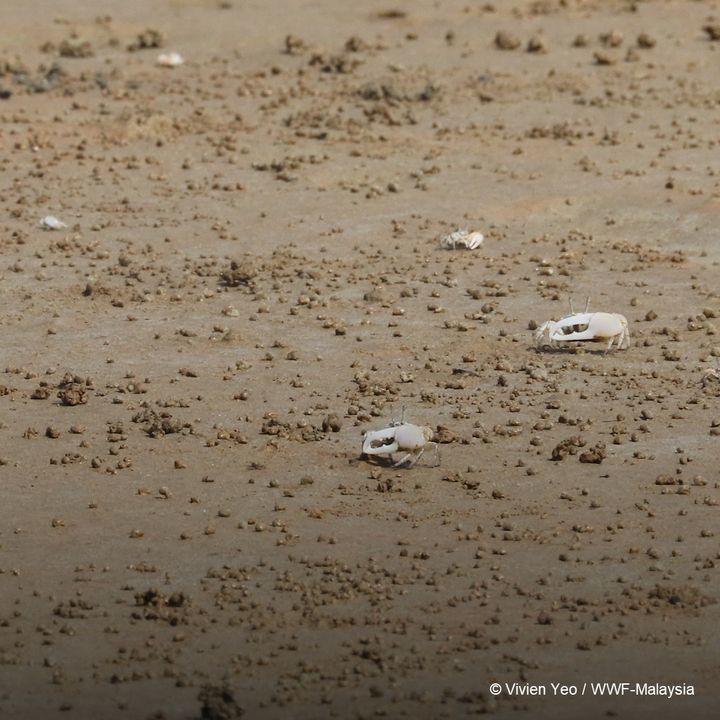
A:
(50, 222)
(172, 59)
(462, 239)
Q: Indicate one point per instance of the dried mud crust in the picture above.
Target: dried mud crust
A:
(252, 276)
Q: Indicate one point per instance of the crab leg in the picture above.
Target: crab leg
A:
(414, 457)
(625, 341)
(402, 461)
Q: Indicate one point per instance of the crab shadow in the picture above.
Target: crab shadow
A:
(548, 350)
(387, 461)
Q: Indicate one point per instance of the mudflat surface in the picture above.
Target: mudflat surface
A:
(251, 277)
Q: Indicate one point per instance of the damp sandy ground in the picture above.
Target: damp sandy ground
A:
(252, 276)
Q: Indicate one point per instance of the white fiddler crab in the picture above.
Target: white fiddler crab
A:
(400, 437)
(170, 60)
(462, 238)
(711, 374)
(585, 326)
(50, 222)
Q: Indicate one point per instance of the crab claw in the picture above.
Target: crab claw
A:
(380, 442)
